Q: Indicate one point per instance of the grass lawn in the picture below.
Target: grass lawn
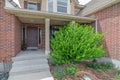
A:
(96, 71)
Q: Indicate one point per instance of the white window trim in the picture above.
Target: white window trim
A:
(55, 6)
(68, 7)
(47, 5)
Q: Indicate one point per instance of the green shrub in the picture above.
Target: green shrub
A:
(61, 71)
(100, 66)
(118, 75)
(75, 43)
(71, 70)
(118, 72)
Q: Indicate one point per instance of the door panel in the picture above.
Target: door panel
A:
(32, 37)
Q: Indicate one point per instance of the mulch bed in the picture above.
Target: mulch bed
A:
(96, 74)
(3, 76)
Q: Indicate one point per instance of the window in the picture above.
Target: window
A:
(39, 36)
(53, 30)
(62, 6)
(24, 35)
(32, 6)
(50, 5)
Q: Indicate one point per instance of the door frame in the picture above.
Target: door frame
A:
(24, 36)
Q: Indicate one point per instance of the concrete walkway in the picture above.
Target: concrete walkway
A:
(30, 65)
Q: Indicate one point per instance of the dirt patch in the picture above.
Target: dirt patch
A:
(83, 69)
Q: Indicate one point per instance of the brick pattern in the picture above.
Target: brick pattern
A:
(9, 33)
(18, 35)
(109, 23)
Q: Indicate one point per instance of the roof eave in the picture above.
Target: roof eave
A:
(17, 11)
(92, 11)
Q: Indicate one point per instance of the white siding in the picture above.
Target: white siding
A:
(96, 5)
(8, 4)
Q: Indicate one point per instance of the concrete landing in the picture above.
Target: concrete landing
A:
(30, 65)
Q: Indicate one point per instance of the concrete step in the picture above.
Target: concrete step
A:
(29, 62)
(46, 75)
(31, 57)
(25, 53)
(29, 69)
(28, 54)
(30, 65)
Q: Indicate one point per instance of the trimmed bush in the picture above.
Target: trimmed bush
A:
(100, 66)
(61, 71)
(75, 43)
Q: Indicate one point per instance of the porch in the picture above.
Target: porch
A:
(30, 65)
(37, 26)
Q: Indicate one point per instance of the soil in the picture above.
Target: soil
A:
(3, 76)
(83, 69)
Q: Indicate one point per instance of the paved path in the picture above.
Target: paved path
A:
(30, 65)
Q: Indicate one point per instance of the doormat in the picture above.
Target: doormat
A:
(31, 49)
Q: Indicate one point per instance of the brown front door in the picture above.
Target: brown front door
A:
(32, 37)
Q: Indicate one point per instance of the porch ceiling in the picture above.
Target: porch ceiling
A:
(41, 21)
(30, 16)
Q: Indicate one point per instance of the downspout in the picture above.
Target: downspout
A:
(96, 25)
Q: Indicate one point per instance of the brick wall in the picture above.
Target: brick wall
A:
(109, 23)
(10, 33)
(18, 36)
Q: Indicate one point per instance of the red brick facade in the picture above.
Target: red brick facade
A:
(11, 30)
(109, 23)
(10, 33)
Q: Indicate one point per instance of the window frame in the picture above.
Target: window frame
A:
(55, 7)
(39, 36)
(63, 6)
(52, 6)
(32, 3)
